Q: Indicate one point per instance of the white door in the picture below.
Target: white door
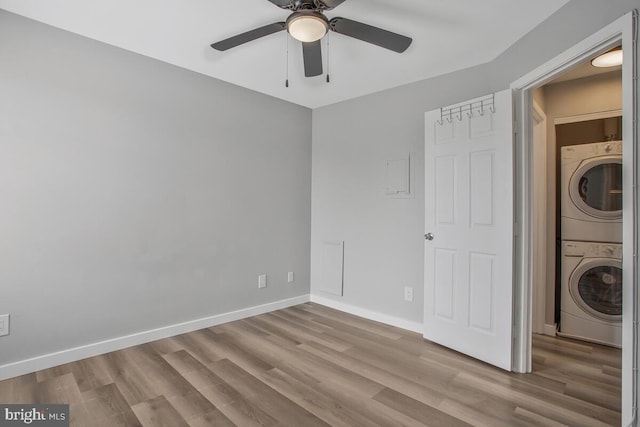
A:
(469, 228)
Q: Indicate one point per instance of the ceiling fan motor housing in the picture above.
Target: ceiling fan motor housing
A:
(307, 5)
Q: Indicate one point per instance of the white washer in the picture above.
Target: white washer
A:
(591, 305)
(591, 185)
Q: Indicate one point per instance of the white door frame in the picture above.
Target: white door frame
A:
(539, 211)
(623, 29)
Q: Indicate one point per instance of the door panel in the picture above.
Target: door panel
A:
(445, 178)
(469, 211)
(481, 192)
(444, 293)
(481, 288)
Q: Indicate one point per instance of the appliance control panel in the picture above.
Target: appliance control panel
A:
(592, 249)
(593, 149)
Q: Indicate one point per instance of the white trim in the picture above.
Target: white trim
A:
(522, 248)
(368, 314)
(585, 117)
(601, 41)
(630, 230)
(46, 361)
(606, 38)
(539, 217)
(551, 330)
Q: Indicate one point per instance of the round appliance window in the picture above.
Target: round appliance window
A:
(596, 287)
(596, 187)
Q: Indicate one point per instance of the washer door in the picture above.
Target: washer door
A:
(596, 187)
(596, 287)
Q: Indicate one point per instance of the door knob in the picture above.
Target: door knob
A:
(428, 236)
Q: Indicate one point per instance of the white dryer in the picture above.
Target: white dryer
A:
(591, 186)
(591, 304)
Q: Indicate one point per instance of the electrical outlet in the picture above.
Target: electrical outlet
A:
(408, 293)
(290, 277)
(4, 324)
(262, 281)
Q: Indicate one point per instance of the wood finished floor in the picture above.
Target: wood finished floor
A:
(313, 366)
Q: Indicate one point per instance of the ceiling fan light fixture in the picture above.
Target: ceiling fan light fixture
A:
(307, 26)
(611, 58)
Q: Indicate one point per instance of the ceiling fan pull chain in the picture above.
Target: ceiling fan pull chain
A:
(328, 78)
(286, 82)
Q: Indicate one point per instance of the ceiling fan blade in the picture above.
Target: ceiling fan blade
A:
(312, 54)
(332, 4)
(248, 36)
(370, 34)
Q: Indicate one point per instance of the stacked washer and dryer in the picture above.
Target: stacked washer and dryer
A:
(591, 232)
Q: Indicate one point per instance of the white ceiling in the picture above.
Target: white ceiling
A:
(447, 36)
(585, 70)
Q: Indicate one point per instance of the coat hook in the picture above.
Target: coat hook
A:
(481, 110)
(450, 118)
(459, 116)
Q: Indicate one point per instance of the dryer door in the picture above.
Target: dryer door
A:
(596, 187)
(596, 287)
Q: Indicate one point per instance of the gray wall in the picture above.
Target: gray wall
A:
(571, 24)
(135, 194)
(352, 141)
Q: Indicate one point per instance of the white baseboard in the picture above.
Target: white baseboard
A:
(550, 330)
(369, 314)
(46, 361)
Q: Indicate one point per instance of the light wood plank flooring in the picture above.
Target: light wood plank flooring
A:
(313, 366)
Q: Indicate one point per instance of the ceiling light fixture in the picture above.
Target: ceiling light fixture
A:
(611, 58)
(307, 26)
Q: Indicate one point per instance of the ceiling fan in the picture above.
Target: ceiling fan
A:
(308, 24)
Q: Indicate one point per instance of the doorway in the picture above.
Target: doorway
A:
(577, 283)
(583, 132)
(619, 32)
